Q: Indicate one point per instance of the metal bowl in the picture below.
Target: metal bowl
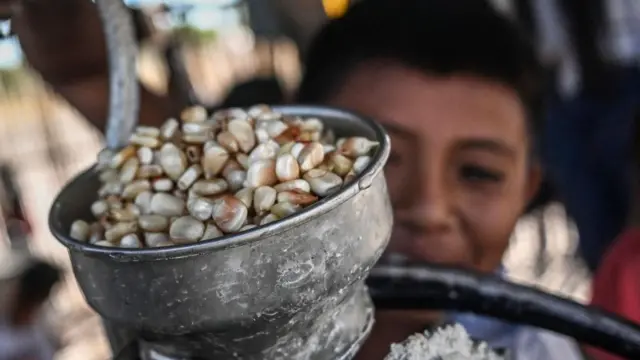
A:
(262, 284)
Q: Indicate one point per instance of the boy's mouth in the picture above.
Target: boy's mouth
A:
(410, 247)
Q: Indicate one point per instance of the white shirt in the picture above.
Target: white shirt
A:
(538, 344)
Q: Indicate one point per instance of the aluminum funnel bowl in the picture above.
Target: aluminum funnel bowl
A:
(250, 290)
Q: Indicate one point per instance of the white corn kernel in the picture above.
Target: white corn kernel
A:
(149, 171)
(108, 175)
(99, 208)
(361, 164)
(143, 202)
(80, 231)
(186, 229)
(110, 188)
(132, 190)
(196, 139)
(264, 198)
(119, 215)
(236, 179)
(130, 241)
(169, 129)
(145, 155)
(163, 184)
(296, 149)
(156, 239)
(340, 164)
(167, 205)
(265, 151)
(228, 141)
(261, 173)
(148, 131)
(257, 110)
(322, 182)
(297, 184)
(196, 128)
(284, 209)
(262, 135)
(311, 156)
(200, 208)
(296, 197)
(189, 177)
(147, 141)
(243, 133)
(229, 213)
(96, 233)
(105, 157)
(246, 196)
(214, 160)
(104, 243)
(153, 223)
(129, 170)
(356, 146)
(275, 128)
(172, 160)
(269, 219)
(209, 187)
(195, 113)
(120, 229)
(243, 160)
(211, 231)
(287, 168)
(123, 155)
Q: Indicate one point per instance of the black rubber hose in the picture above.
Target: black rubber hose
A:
(436, 287)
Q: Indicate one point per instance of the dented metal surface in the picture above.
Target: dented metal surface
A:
(285, 290)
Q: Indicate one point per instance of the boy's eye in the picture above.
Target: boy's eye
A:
(476, 173)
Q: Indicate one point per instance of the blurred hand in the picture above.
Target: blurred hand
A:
(61, 39)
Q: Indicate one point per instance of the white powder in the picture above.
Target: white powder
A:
(448, 343)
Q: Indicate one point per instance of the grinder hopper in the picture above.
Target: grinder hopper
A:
(292, 289)
(260, 293)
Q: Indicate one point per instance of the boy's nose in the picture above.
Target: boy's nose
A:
(430, 209)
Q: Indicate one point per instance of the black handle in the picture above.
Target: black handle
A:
(438, 287)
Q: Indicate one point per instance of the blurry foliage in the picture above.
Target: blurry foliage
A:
(194, 36)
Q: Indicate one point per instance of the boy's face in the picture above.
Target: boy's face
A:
(459, 175)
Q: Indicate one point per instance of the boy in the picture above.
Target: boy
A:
(456, 87)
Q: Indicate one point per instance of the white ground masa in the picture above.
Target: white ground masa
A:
(447, 343)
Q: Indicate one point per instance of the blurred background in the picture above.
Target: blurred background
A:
(221, 46)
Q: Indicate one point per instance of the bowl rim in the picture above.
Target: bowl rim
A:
(362, 182)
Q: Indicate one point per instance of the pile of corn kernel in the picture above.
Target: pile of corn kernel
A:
(206, 176)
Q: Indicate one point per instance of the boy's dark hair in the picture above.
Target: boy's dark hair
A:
(438, 37)
(36, 283)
